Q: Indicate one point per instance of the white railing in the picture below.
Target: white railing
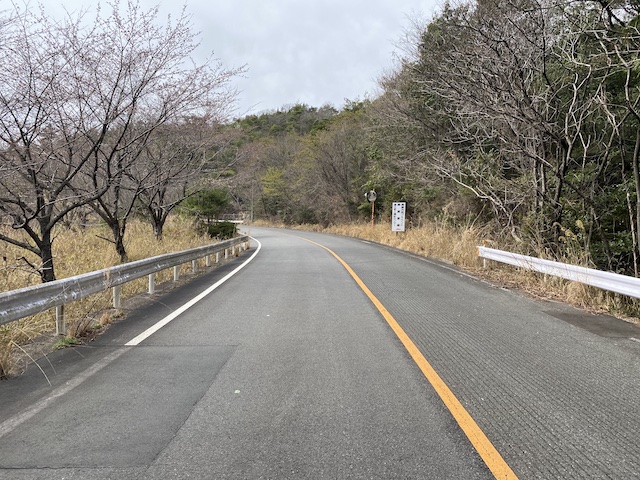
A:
(28, 301)
(232, 217)
(613, 282)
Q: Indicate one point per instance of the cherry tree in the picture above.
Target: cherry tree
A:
(79, 101)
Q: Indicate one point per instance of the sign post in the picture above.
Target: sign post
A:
(371, 196)
(398, 216)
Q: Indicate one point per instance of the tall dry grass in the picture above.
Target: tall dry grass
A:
(79, 251)
(434, 240)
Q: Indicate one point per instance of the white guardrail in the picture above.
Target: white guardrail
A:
(613, 282)
(24, 302)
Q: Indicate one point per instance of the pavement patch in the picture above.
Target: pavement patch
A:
(156, 389)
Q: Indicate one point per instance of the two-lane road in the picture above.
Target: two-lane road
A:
(291, 369)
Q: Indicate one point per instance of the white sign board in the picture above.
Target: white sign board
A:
(397, 216)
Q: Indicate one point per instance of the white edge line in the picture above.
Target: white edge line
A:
(12, 423)
(153, 329)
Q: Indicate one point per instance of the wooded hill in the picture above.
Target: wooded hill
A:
(520, 117)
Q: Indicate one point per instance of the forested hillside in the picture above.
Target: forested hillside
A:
(520, 117)
(303, 164)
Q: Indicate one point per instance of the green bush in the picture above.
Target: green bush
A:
(207, 204)
(221, 230)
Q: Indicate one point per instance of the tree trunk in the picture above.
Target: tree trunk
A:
(47, 273)
(556, 204)
(158, 219)
(158, 216)
(118, 239)
(157, 229)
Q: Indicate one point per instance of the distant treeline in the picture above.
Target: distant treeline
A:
(522, 117)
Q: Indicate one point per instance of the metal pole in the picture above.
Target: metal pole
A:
(116, 297)
(61, 327)
(152, 283)
(484, 260)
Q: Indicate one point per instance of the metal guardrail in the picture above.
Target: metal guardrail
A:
(233, 217)
(613, 282)
(28, 301)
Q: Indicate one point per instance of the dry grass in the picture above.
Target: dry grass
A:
(81, 251)
(435, 240)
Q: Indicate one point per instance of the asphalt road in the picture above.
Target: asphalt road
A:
(288, 370)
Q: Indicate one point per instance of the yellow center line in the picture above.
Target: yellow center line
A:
(476, 436)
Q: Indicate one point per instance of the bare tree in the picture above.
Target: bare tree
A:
(179, 161)
(499, 112)
(341, 158)
(77, 105)
(48, 133)
(612, 37)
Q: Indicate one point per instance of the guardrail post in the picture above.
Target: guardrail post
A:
(226, 253)
(207, 261)
(176, 273)
(194, 266)
(217, 257)
(484, 260)
(116, 296)
(152, 283)
(61, 328)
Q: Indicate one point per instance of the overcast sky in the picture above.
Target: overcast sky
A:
(316, 52)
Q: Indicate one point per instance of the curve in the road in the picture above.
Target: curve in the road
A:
(151, 330)
(476, 436)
